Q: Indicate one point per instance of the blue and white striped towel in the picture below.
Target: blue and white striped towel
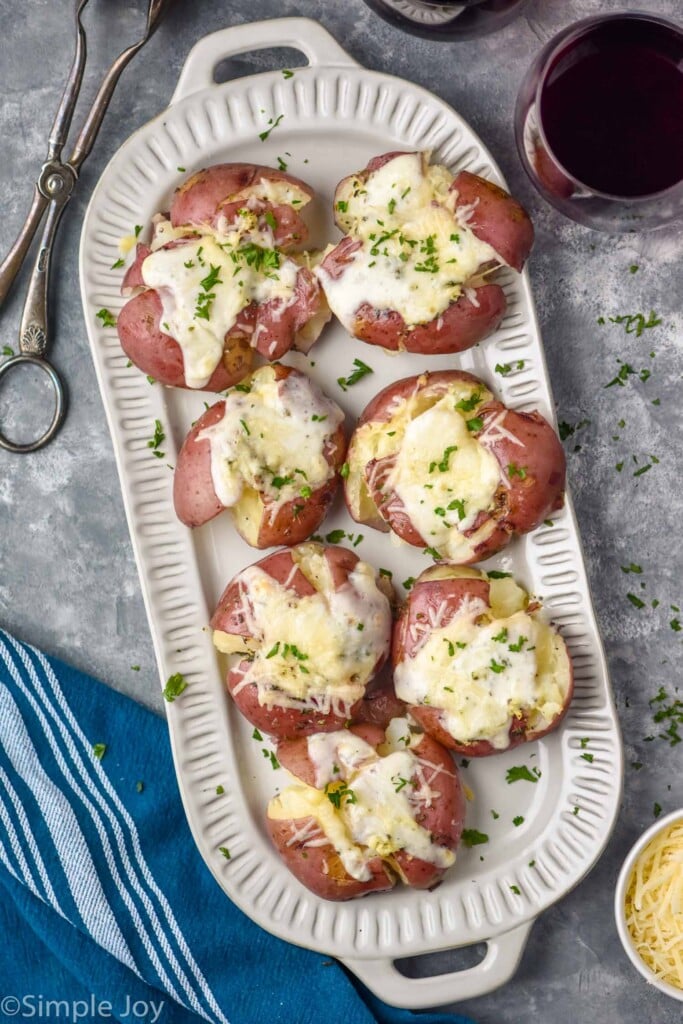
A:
(106, 909)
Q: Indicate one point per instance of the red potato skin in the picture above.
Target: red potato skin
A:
(319, 868)
(444, 819)
(281, 722)
(431, 594)
(497, 219)
(380, 705)
(224, 188)
(159, 356)
(133, 276)
(459, 327)
(517, 508)
(196, 501)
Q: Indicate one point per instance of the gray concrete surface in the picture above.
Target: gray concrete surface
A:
(68, 581)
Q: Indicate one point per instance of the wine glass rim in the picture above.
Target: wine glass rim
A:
(576, 30)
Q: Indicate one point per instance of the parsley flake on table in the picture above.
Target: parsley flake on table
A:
(520, 773)
(99, 750)
(636, 323)
(472, 837)
(361, 370)
(139, 786)
(635, 601)
(657, 809)
(175, 685)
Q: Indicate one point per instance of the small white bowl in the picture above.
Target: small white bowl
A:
(619, 904)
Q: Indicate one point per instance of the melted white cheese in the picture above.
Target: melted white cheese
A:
(417, 253)
(378, 798)
(318, 650)
(272, 439)
(204, 285)
(481, 673)
(442, 475)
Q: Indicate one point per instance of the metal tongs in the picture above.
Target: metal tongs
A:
(52, 192)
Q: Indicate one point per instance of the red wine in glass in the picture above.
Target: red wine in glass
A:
(599, 122)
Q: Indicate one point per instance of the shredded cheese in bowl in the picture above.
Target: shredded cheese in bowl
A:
(650, 905)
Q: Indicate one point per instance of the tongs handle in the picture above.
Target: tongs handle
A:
(93, 121)
(48, 184)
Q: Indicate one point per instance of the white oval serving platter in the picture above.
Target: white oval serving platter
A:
(335, 116)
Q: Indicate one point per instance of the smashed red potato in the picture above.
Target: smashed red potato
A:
(412, 271)
(218, 282)
(476, 663)
(444, 465)
(269, 453)
(369, 808)
(306, 629)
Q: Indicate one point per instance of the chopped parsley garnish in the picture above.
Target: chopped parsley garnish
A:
(442, 466)
(635, 601)
(514, 470)
(286, 73)
(472, 837)
(256, 735)
(108, 319)
(270, 219)
(281, 481)
(657, 809)
(273, 651)
(518, 645)
(675, 625)
(495, 574)
(315, 418)
(117, 263)
(386, 572)
(671, 713)
(399, 782)
(516, 890)
(584, 742)
(520, 773)
(495, 815)
(501, 638)
(344, 470)
(632, 567)
(175, 685)
(505, 368)
(282, 166)
(7, 351)
(99, 750)
(139, 786)
(361, 370)
(476, 423)
(643, 469)
(635, 323)
(225, 851)
(220, 790)
(246, 429)
(335, 536)
(338, 791)
(273, 125)
(451, 647)
(407, 584)
(469, 404)
(157, 439)
(270, 756)
(496, 666)
(342, 206)
(519, 820)
(137, 229)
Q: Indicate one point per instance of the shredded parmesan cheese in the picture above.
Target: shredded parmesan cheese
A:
(654, 905)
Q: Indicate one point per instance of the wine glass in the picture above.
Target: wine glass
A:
(599, 122)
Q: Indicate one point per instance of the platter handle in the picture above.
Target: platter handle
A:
(503, 954)
(303, 34)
